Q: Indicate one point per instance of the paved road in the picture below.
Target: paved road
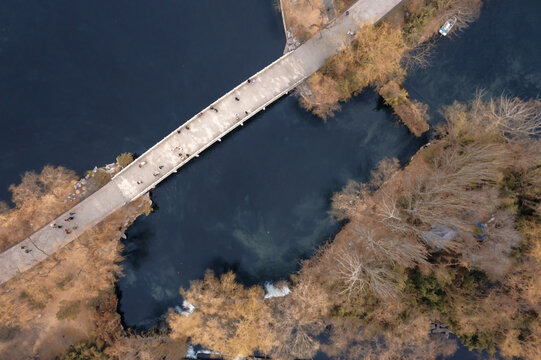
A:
(194, 136)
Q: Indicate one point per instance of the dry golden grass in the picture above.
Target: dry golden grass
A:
(304, 18)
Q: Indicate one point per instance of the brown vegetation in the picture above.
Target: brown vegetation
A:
(41, 197)
(342, 5)
(458, 182)
(304, 18)
(379, 55)
(229, 318)
(372, 58)
(411, 112)
(38, 199)
(55, 302)
(448, 239)
(425, 17)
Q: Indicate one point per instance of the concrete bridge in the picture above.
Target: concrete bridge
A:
(191, 138)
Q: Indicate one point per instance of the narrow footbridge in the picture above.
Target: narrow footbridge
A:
(191, 138)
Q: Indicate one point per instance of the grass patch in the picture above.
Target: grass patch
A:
(68, 310)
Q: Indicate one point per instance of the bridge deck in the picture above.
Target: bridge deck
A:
(194, 136)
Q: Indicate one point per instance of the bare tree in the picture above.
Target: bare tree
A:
(516, 118)
(298, 318)
(356, 197)
(350, 201)
(383, 172)
(420, 56)
(360, 276)
(512, 117)
(386, 249)
(294, 342)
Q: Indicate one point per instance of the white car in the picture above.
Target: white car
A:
(444, 30)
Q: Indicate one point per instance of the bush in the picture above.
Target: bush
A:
(83, 351)
(124, 159)
(101, 177)
(68, 310)
(428, 290)
(478, 341)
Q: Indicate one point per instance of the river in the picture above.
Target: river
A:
(84, 81)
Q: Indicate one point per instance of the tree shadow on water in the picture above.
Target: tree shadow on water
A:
(220, 266)
(136, 245)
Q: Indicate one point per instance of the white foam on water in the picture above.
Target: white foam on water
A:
(272, 291)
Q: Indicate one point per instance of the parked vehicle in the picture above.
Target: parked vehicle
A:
(444, 30)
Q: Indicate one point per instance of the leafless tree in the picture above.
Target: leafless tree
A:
(360, 275)
(356, 197)
(295, 342)
(295, 324)
(350, 201)
(386, 249)
(383, 172)
(516, 118)
(420, 56)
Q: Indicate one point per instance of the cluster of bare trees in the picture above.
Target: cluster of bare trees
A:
(454, 184)
(367, 262)
(506, 116)
(514, 117)
(442, 199)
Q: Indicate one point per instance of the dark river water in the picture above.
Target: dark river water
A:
(83, 81)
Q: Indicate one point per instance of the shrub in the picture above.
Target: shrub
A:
(124, 159)
(83, 351)
(101, 177)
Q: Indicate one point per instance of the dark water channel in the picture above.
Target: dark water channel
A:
(84, 81)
